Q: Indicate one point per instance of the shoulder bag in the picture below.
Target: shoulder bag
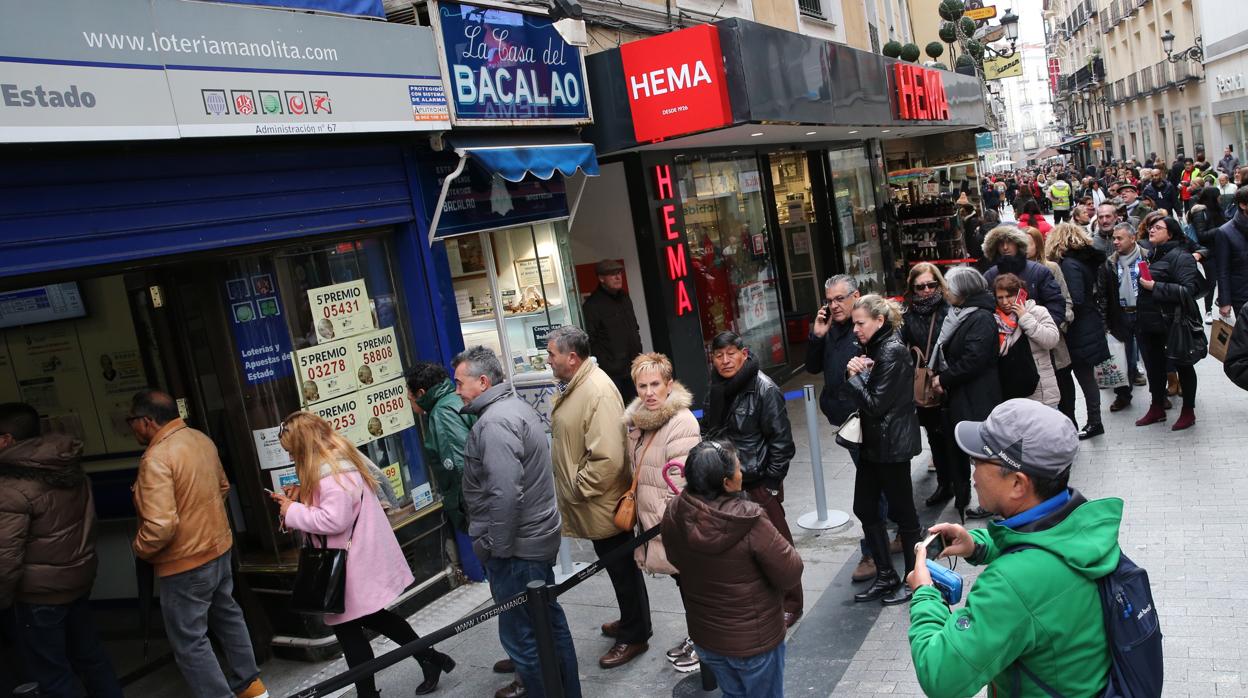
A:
(849, 435)
(924, 391)
(321, 580)
(625, 516)
(1186, 343)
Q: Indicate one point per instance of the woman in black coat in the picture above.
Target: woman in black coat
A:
(881, 385)
(1071, 247)
(1206, 217)
(926, 308)
(965, 362)
(1173, 268)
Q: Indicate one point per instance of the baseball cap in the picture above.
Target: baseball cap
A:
(607, 266)
(1024, 435)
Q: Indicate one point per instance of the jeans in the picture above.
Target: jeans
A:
(760, 676)
(509, 576)
(58, 641)
(194, 602)
(773, 506)
(356, 650)
(630, 590)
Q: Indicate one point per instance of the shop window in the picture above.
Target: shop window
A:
(524, 271)
(854, 210)
(795, 210)
(1198, 130)
(726, 224)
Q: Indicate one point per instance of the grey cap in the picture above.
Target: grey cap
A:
(1024, 435)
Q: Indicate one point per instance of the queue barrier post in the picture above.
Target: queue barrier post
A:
(538, 602)
(821, 518)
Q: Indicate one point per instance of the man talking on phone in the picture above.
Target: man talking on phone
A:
(1033, 613)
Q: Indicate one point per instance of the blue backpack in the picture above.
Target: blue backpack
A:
(1131, 628)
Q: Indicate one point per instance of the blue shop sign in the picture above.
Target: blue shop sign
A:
(480, 200)
(506, 66)
(259, 329)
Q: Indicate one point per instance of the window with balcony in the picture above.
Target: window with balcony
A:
(811, 8)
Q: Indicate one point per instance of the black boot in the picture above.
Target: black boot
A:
(432, 665)
(902, 593)
(943, 493)
(886, 579)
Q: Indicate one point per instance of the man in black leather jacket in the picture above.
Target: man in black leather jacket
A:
(747, 408)
(1236, 366)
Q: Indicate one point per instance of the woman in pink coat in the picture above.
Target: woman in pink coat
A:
(336, 498)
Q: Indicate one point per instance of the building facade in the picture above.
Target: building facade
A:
(1225, 39)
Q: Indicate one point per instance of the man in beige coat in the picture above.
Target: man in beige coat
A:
(591, 474)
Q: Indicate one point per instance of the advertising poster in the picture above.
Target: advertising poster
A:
(284, 478)
(326, 371)
(422, 496)
(376, 357)
(384, 410)
(343, 414)
(51, 377)
(395, 478)
(341, 310)
(259, 329)
(269, 449)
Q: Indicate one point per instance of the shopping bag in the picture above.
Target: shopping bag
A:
(1112, 372)
(1219, 339)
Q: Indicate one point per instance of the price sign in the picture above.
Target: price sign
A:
(341, 310)
(343, 414)
(326, 371)
(376, 357)
(384, 410)
(981, 13)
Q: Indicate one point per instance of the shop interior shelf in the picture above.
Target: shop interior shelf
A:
(509, 316)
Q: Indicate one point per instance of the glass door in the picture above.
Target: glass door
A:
(854, 211)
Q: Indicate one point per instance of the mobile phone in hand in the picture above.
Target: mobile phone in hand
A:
(1022, 296)
(1145, 272)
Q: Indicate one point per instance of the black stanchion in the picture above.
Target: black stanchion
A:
(539, 611)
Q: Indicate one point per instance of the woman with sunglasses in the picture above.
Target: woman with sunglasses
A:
(336, 499)
(1172, 267)
(926, 308)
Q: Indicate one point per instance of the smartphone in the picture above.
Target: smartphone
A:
(1145, 272)
(825, 311)
(934, 544)
(271, 492)
(1022, 295)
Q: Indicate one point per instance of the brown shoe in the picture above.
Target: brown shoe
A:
(621, 654)
(515, 689)
(611, 629)
(865, 569)
(1172, 384)
(1119, 405)
(895, 546)
(504, 666)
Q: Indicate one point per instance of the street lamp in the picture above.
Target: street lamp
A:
(1195, 53)
(1010, 23)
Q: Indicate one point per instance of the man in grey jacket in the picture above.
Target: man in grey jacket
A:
(513, 518)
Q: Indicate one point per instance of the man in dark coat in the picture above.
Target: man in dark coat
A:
(47, 556)
(747, 408)
(1236, 366)
(614, 336)
(1163, 193)
(1005, 248)
(1230, 255)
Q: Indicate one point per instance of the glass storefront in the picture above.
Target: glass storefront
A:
(726, 224)
(853, 195)
(799, 238)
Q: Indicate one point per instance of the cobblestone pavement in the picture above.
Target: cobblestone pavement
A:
(1184, 497)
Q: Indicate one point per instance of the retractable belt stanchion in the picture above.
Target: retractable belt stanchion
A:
(539, 599)
(821, 518)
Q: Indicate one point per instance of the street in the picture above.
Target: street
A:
(1184, 495)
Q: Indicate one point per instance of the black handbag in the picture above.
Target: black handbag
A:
(1186, 342)
(1017, 370)
(321, 580)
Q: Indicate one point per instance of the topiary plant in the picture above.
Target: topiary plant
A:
(951, 10)
(910, 52)
(891, 49)
(948, 32)
(935, 49)
(976, 50)
(965, 61)
(968, 26)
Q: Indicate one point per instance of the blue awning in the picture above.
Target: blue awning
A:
(513, 163)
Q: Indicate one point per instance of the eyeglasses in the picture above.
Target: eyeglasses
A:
(131, 419)
(838, 299)
(929, 286)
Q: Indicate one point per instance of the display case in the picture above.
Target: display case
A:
(512, 287)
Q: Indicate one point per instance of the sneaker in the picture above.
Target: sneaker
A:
(686, 663)
(255, 689)
(865, 569)
(1139, 380)
(1209, 317)
(978, 513)
(681, 650)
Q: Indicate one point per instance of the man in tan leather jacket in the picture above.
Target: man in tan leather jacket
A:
(184, 533)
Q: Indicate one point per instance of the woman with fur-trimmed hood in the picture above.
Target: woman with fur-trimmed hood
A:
(1005, 249)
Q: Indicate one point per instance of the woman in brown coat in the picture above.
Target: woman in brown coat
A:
(661, 430)
(735, 567)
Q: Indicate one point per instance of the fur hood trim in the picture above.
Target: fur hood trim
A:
(1001, 233)
(651, 420)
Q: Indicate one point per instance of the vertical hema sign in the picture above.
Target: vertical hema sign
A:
(675, 83)
(509, 68)
(141, 69)
(673, 241)
(920, 93)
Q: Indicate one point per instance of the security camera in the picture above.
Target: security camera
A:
(560, 9)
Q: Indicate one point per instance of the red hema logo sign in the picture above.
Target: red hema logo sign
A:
(675, 83)
(920, 93)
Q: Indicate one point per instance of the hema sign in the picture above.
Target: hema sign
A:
(675, 83)
(144, 69)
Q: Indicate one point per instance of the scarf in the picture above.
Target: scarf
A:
(1128, 284)
(1007, 331)
(925, 305)
(723, 391)
(1014, 264)
(955, 317)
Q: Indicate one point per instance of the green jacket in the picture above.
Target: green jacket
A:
(446, 430)
(1038, 606)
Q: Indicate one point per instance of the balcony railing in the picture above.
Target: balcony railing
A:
(1162, 75)
(1146, 81)
(1133, 85)
(811, 8)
